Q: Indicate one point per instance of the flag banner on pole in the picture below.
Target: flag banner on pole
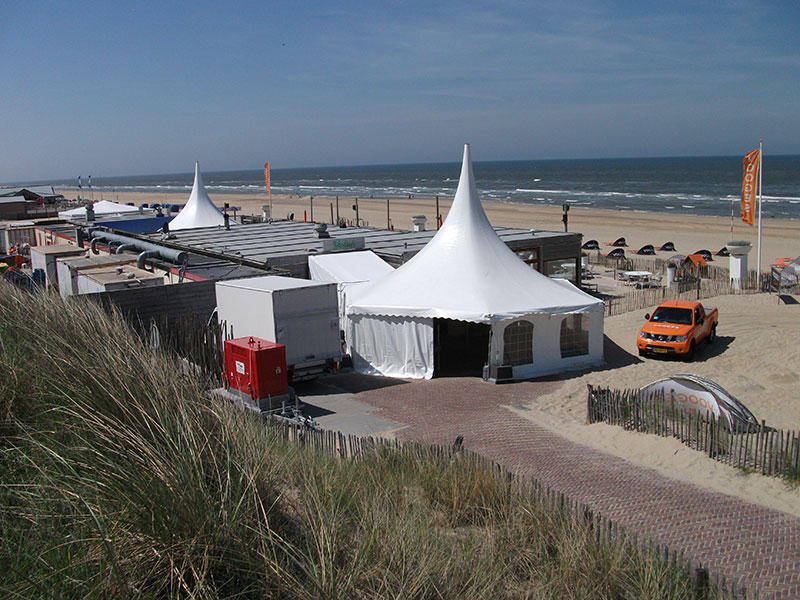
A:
(749, 185)
(266, 178)
(90, 181)
(80, 187)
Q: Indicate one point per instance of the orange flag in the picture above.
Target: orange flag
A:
(749, 180)
(266, 178)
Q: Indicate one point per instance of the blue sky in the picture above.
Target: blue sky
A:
(117, 88)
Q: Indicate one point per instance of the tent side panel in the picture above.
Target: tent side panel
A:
(547, 345)
(392, 346)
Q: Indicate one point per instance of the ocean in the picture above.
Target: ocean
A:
(706, 186)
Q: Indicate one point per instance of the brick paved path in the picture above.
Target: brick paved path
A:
(748, 544)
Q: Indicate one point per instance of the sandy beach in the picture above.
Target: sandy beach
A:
(780, 237)
(754, 357)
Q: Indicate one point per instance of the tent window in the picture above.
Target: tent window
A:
(574, 336)
(518, 343)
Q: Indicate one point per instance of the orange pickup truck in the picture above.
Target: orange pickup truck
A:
(677, 327)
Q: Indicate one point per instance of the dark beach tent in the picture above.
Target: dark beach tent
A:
(619, 242)
(591, 245)
(616, 253)
(646, 249)
(667, 247)
(723, 251)
(695, 393)
(705, 254)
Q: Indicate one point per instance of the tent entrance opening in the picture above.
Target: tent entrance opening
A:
(460, 349)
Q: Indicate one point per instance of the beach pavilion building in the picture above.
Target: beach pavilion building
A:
(199, 210)
(465, 302)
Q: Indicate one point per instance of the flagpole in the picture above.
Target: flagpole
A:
(760, 158)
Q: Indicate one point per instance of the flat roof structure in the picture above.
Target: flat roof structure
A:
(283, 247)
(287, 244)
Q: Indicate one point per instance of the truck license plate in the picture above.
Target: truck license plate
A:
(660, 350)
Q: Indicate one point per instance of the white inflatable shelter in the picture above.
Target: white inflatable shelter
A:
(467, 275)
(101, 209)
(199, 210)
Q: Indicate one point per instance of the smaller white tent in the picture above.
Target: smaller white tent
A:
(199, 210)
(102, 209)
(347, 270)
(348, 267)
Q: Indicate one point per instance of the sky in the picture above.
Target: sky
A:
(125, 88)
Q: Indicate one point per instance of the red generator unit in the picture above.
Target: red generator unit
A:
(255, 372)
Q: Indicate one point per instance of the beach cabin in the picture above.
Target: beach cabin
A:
(467, 305)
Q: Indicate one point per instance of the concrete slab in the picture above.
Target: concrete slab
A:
(333, 407)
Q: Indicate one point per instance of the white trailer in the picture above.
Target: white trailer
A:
(300, 314)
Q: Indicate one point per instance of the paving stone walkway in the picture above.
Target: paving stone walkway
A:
(748, 544)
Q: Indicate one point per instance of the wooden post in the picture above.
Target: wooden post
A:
(388, 217)
(332, 221)
(312, 208)
(700, 583)
(337, 209)
(437, 212)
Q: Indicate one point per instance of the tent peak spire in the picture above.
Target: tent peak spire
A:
(199, 210)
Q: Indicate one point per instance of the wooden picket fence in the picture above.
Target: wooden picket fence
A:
(606, 531)
(757, 448)
(192, 337)
(708, 282)
(644, 298)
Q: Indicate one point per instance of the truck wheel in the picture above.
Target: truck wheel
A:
(690, 353)
(712, 335)
(642, 352)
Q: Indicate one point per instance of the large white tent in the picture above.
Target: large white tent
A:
(102, 208)
(199, 210)
(466, 299)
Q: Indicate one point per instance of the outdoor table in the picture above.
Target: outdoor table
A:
(634, 277)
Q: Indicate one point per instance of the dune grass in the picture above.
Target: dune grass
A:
(122, 478)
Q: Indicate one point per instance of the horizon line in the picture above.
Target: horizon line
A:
(401, 164)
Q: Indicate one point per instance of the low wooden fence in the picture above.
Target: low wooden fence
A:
(712, 281)
(350, 447)
(699, 290)
(193, 337)
(756, 448)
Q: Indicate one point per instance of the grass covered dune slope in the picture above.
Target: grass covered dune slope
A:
(121, 478)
